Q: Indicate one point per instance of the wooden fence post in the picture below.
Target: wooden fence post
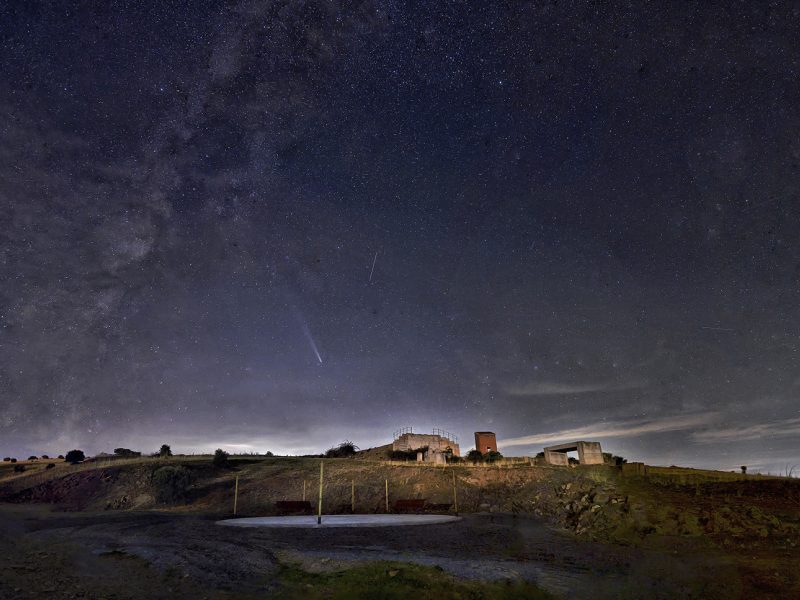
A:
(455, 493)
(319, 505)
(235, 495)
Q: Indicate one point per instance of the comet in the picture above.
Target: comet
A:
(311, 341)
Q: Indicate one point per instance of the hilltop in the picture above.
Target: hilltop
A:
(753, 521)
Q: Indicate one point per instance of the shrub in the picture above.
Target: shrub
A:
(13, 460)
(75, 456)
(165, 451)
(344, 450)
(33, 458)
(50, 466)
(402, 455)
(45, 457)
(492, 456)
(7, 459)
(220, 458)
(474, 456)
(19, 468)
(61, 456)
(127, 453)
(611, 459)
(269, 453)
(172, 484)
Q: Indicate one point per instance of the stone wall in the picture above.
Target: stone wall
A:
(412, 441)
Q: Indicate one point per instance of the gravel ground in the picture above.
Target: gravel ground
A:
(172, 555)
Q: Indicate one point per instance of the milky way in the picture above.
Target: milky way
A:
(547, 220)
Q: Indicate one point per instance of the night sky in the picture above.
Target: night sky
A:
(280, 225)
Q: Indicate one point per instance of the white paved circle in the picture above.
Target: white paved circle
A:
(340, 521)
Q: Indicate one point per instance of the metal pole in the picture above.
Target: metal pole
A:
(387, 495)
(235, 495)
(455, 493)
(319, 505)
(353, 496)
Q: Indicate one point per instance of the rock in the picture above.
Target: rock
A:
(393, 573)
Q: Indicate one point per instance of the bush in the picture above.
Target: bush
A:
(344, 450)
(165, 451)
(61, 456)
(172, 484)
(50, 466)
(75, 456)
(220, 458)
(492, 456)
(19, 468)
(613, 459)
(402, 455)
(45, 457)
(13, 460)
(33, 458)
(474, 456)
(7, 459)
(127, 453)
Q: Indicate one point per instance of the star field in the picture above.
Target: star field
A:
(278, 225)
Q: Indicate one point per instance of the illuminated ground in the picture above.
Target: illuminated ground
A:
(340, 521)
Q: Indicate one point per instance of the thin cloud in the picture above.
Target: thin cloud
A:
(751, 432)
(550, 388)
(616, 429)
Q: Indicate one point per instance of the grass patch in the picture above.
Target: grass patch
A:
(400, 581)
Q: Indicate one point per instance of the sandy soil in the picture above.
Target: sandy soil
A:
(121, 555)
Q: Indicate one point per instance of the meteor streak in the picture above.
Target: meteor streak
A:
(372, 270)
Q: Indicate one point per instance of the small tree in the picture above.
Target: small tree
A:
(220, 458)
(33, 458)
(165, 451)
(75, 456)
(61, 456)
(491, 456)
(475, 456)
(13, 460)
(45, 457)
(7, 459)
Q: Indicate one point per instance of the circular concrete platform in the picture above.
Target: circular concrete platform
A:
(340, 521)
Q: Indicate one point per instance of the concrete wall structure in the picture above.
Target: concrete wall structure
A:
(589, 453)
(485, 441)
(435, 443)
(635, 468)
(556, 458)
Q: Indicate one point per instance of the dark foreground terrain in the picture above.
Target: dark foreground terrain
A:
(164, 555)
(118, 531)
